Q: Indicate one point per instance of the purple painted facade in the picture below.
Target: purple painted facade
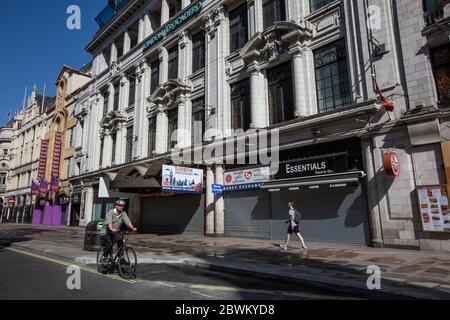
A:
(37, 216)
(51, 215)
(48, 215)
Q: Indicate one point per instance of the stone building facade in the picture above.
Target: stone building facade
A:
(179, 75)
(28, 129)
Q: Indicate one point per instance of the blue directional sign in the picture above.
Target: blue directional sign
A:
(217, 188)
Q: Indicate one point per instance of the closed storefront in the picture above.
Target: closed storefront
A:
(247, 207)
(327, 189)
(172, 213)
(330, 214)
(247, 214)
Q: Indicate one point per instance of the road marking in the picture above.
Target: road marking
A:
(305, 295)
(202, 294)
(165, 284)
(67, 264)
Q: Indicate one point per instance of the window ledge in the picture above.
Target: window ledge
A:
(319, 12)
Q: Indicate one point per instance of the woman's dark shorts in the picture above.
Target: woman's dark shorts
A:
(292, 230)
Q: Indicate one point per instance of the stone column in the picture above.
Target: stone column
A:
(299, 85)
(163, 65)
(216, 91)
(141, 30)
(181, 133)
(123, 93)
(111, 98)
(259, 22)
(164, 12)
(259, 114)
(185, 3)
(372, 194)
(143, 126)
(162, 134)
(113, 53)
(310, 82)
(107, 146)
(209, 213)
(121, 144)
(140, 106)
(87, 204)
(219, 212)
(148, 30)
(126, 42)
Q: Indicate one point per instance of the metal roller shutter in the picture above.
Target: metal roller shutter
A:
(247, 214)
(329, 215)
(183, 214)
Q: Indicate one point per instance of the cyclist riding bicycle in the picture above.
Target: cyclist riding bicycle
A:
(115, 219)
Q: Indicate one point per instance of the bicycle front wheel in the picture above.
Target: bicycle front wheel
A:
(128, 263)
(103, 263)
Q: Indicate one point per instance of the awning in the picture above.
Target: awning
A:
(156, 167)
(135, 183)
(331, 181)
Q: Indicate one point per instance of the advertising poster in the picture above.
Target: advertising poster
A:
(182, 180)
(246, 179)
(434, 208)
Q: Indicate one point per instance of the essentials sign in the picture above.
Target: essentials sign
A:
(314, 167)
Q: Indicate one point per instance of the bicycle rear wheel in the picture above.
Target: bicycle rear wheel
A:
(103, 263)
(128, 263)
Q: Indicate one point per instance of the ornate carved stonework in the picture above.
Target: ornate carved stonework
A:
(170, 92)
(183, 39)
(213, 19)
(141, 66)
(272, 48)
(114, 69)
(266, 47)
(228, 67)
(113, 121)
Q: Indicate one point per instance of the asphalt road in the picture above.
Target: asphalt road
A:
(29, 276)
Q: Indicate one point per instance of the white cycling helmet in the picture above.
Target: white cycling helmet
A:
(120, 203)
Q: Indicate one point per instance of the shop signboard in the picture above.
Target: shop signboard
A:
(182, 180)
(249, 179)
(434, 208)
(313, 167)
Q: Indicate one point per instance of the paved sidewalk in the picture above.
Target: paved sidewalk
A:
(405, 273)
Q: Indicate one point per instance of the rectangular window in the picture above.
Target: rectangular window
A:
(317, 4)
(274, 11)
(240, 105)
(173, 126)
(173, 63)
(102, 146)
(155, 76)
(130, 143)
(116, 96)
(281, 95)
(198, 51)
(332, 79)
(151, 136)
(2, 179)
(105, 103)
(238, 28)
(441, 65)
(5, 152)
(198, 121)
(132, 93)
(114, 147)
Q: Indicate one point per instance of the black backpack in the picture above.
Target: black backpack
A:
(298, 217)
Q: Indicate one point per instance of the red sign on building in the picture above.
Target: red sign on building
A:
(391, 164)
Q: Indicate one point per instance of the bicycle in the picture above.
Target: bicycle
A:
(125, 259)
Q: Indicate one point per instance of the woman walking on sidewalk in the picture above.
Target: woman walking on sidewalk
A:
(294, 221)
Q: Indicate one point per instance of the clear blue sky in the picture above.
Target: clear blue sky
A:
(36, 43)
